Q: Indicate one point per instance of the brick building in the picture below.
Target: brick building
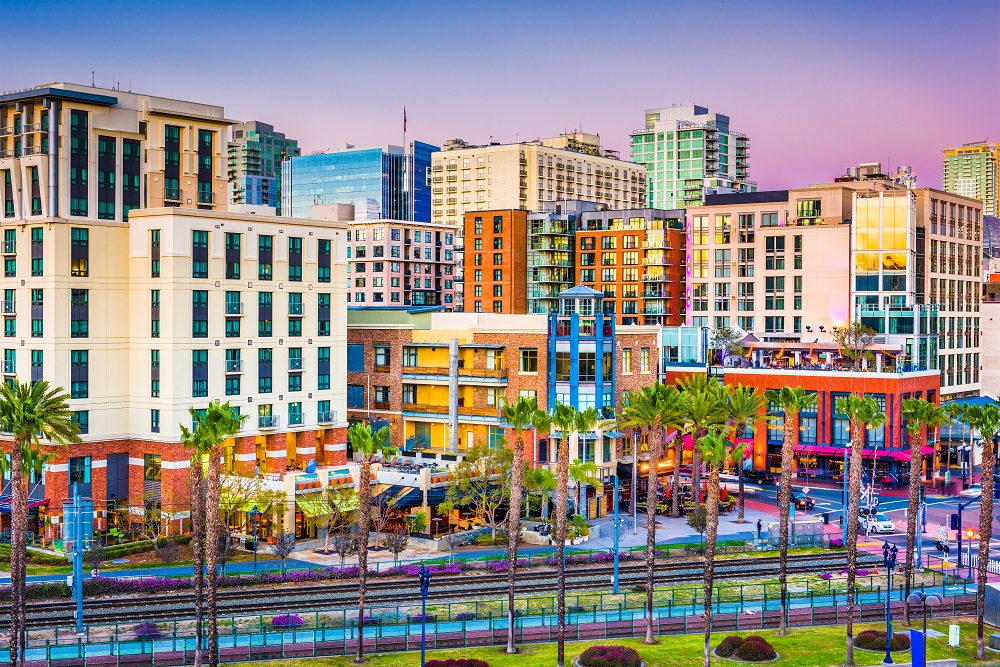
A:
(496, 258)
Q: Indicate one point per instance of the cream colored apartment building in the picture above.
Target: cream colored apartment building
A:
(124, 284)
(790, 266)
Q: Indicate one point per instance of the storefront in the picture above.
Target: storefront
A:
(826, 462)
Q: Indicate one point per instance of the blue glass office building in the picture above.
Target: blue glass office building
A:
(345, 176)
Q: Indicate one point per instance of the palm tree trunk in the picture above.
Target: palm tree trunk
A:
(18, 550)
(783, 518)
(198, 548)
(675, 508)
(853, 494)
(654, 461)
(365, 509)
(696, 471)
(741, 431)
(712, 530)
(912, 509)
(562, 488)
(212, 532)
(985, 533)
(513, 532)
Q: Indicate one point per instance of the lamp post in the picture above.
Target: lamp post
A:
(889, 560)
(425, 584)
(924, 600)
(255, 539)
(635, 482)
(969, 534)
(616, 523)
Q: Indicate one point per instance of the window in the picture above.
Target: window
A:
(529, 360)
(154, 421)
(496, 397)
(746, 229)
(478, 226)
(324, 261)
(199, 254)
(723, 232)
(409, 394)
(79, 374)
(295, 382)
(82, 419)
(233, 256)
(37, 264)
(264, 314)
(562, 366)
(154, 373)
(382, 358)
(497, 225)
(232, 385)
(644, 360)
(295, 259)
(264, 369)
(776, 424)
(265, 257)
(154, 253)
(627, 360)
(79, 313)
(36, 313)
(774, 293)
(79, 252)
(497, 258)
(323, 368)
(768, 219)
(494, 360)
(37, 364)
(774, 324)
(199, 313)
(199, 373)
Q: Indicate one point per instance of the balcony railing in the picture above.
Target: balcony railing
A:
(8, 307)
(328, 417)
(206, 197)
(10, 247)
(268, 422)
(171, 194)
(234, 308)
(295, 364)
(294, 418)
(443, 410)
(295, 309)
(234, 366)
(493, 374)
(9, 367)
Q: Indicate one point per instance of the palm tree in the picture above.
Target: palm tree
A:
(30, 411)
(863, 413)
(220, 422)
(583, 473)
(195, 443)
(518, 417)
(365, 445)
(705, 411)
(745, 406)
(986, 420)
(714, 453)
(792, 401)
(919, 415)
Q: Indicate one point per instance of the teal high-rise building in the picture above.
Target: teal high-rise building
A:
(688, 153)
(255, 155)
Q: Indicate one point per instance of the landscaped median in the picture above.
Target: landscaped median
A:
(802, 647)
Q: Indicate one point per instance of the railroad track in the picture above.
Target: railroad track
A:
(337, 596)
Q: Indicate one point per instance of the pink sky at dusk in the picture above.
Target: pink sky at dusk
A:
(817, 86)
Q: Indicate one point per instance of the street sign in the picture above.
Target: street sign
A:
(942, 533)
(805, 490)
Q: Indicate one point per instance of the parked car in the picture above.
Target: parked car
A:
(877, 523)
(762, 477)
(973, 490)
(802, 501)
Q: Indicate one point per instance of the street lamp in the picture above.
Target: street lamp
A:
(924, 600)
(889, 560)
(425, 584)
(255, 512)
(969, 534)
(616, 523)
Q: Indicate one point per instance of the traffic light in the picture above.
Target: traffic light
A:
(954, 521)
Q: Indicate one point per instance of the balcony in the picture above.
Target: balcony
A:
(172, 194)
(9, 367)
(268, 422)
(10, 247)
(295, 419)
(295, 310)
(295, 364)
(6, 131)
(328, 417)
(423, 408)
(206, 197)
(32, 150)
(486, 374)
(234, 366)
(234, 308)
(8, 307)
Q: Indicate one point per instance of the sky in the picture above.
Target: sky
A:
(817, 85)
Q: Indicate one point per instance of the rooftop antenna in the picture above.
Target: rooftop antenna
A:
(92, 84)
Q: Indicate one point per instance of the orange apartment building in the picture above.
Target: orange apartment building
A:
(496, 254)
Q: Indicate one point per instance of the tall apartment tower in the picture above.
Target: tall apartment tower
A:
(688, 153)
(972, 171)
(255, 155)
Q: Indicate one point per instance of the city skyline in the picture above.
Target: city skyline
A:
(795, 59)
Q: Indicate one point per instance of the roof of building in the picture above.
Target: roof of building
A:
(58, 93)
(763, 197)
(407, 309)
(580, 292)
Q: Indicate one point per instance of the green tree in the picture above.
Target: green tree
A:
(920, 416)
(31, 412)
(792, 400)
(705, 411)
(197, 446)
(541, 482)
(863, 413)
(519, 419)
(714, 454)
(728, 341)
(482, 483)
(583, 473)
(853, 341)
(220, 422)
(745, 406)
(564, 420)
(365, 445)
(985, 419)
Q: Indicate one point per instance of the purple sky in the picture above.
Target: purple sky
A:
(817, 86)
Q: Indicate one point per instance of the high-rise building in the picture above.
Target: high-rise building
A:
(255, 155)
(688, 153)
(790, 266)
(972, 171)
(384, 182)
(132, 294)
(497, 279)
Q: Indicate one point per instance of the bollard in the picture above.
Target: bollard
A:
(953, 635)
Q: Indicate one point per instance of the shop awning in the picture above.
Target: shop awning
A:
(867, 453)
(32, 504)
(315, 504)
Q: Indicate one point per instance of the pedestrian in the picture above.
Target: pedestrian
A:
(760, 527)
(95, 573)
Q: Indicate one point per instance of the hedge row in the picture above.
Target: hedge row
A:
(36, 557)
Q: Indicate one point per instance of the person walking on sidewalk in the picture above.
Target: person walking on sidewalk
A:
(760, 527)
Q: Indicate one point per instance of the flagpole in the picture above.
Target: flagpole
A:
(406, 167)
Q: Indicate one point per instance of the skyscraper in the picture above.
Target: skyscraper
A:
(255, 155)
(689, 152)
(361, 176)
(971, 171)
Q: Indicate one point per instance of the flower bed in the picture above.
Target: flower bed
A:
(609, 656)
(423, 618)
(874, 640)
(286, 621)
(147, 632)
(746, 649)
(503, 565)
(458, 662)
(372, 620)
(599, 557)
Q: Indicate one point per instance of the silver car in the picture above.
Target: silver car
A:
(879, 523)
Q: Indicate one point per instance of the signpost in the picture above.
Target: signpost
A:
(79, 531)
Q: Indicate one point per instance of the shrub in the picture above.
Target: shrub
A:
(576, 608)
(147, 631)
(837, 543)
(286, 621)
(458, 662)
(728, 646)
(861, 573)
(610, 656)
(874, 640)
(425, 618)
(465, 616)
(826, 576)
(755, 649)
(372, 620)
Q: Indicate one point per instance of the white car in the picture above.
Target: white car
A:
(879, 523)
(973, 490)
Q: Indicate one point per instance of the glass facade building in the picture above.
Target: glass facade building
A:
(358, 175)
(255, 155)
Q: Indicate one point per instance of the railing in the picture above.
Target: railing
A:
(33, 150)
(234, 308)
(8, 307)
(328, 417)
(295, 364)
(294, 418)
(171, 194)
(270, 421)
(295, 309)
(497, 374)
(443, 410)
(206, 197)
(10, 247)
(9, 367)
(234, 365)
